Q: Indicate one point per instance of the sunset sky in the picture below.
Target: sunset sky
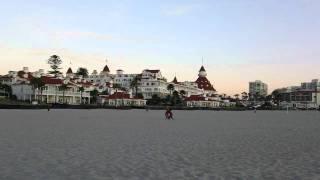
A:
(275, 41)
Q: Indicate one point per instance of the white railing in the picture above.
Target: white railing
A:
(60, 93)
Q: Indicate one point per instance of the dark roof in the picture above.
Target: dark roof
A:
(69, 71)
(119, 95)
(204, 83)
(106, 69)
(152, 71)
(202, 69)
(175, 80)
(51, 80)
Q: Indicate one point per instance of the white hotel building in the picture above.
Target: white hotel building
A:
(152, 82)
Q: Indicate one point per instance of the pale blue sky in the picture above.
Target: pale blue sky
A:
(249, 34)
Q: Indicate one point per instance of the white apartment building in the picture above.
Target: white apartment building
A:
(258, 87)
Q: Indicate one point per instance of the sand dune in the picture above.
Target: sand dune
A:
(135, 144)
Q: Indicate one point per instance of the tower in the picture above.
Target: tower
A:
(69, 73)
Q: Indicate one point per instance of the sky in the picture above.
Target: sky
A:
(239, 40)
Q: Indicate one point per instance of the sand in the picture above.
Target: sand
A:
(135, 144)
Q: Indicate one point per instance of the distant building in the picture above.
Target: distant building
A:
(51, 92)
(258, 88)
(120, 99)
(307, 95)
(124, 80)
(202, 102)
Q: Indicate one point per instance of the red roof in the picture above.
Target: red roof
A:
(51, 80)
(204, 83)
(195, 98)
(119, 95)
(86, 84)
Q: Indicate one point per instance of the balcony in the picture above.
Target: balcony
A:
(60, 93)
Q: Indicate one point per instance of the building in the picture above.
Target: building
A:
(153, 83)
(121, 99)
(124, 80)
(102, 78)
(307, 95)
(204, 83)
(202, 102)
(51, 92)
(258, 88)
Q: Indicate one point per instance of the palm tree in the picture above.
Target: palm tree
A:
(183, 93)
(94, 95)
(37, 83)
(81, 90)
(244, 96)
(237, 96)
(170, 88)
(175, 97)
(134, 84)
(83, 72)
(63, 88)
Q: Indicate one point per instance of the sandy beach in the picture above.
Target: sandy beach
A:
(135, 144)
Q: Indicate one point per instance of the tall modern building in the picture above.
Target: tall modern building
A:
(258, 87)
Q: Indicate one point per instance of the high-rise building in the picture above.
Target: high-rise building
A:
(258, 88)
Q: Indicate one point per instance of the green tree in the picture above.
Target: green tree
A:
(135, 83)
(183, 93)
(81, 90)
(37, 83)
(94, 95)
(244, 96)
(63, 88)
(237, 97)
(175, 98)
(55, 62)
(82, 72)
(170, 88)
(155, 100)
(7, 89)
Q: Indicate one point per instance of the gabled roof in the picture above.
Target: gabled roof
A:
(175, 81)
(69, 71)
(204, 83)
(202, 69)
(106, 69)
